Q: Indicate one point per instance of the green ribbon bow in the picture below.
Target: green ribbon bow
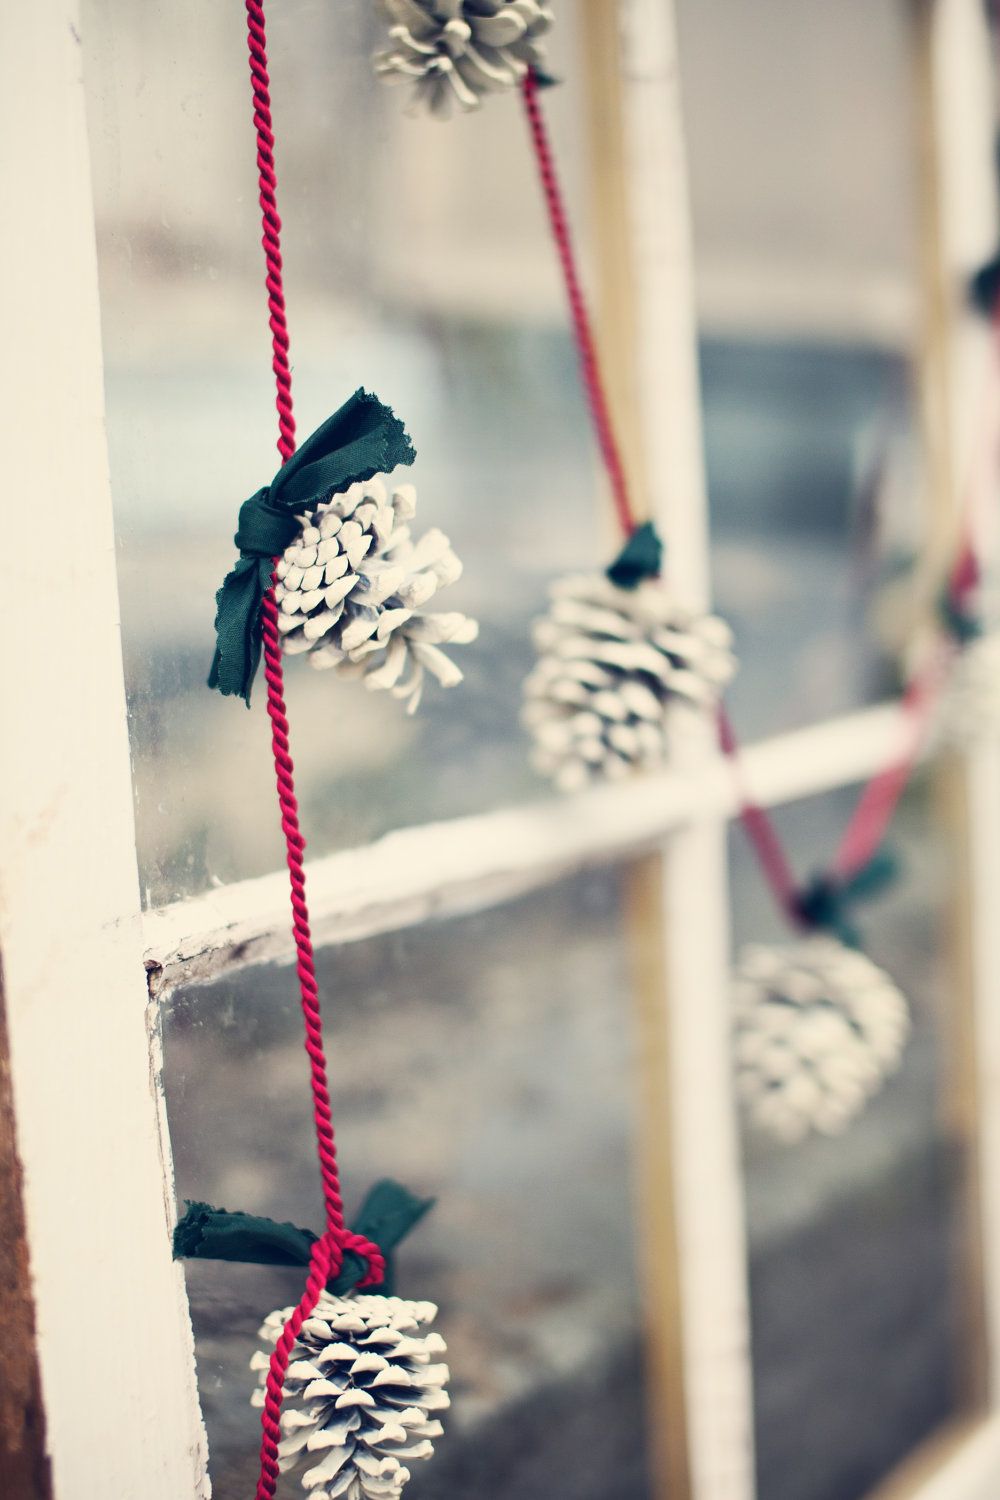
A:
(388, 1213)
(640, 558)
(823, 904)
(360, 440)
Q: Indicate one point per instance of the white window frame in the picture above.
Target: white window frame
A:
(114, 1337)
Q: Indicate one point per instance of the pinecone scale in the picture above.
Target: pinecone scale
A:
(610, 663)
(361, 1395)
(457, 51)
(351, 592)
(818, 1028)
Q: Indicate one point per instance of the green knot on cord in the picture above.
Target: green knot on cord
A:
(387, 1214)
(360, 440)
(640, 558)
(984, 287)
(960, 621)
(824, 904)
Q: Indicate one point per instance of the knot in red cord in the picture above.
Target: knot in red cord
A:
(341, 1240)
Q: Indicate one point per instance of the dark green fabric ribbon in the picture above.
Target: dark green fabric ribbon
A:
(984, 287)
(824, 903)
(360, 440)
(388, 1213)
(640, 558)
(962, 625)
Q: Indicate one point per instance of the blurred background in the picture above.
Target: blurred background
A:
(418, 264)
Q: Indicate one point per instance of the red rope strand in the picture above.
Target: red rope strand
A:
(586, 345)
(874, 810)
(760, 829)
(328, 1252)
(271, 224)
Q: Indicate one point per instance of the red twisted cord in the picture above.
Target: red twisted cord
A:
(271, 224)
(328, 1252)
(270, 1421)
(876, 805)
(586, 345)
(760, 829)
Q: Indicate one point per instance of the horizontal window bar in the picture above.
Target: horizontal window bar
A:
(467, 864)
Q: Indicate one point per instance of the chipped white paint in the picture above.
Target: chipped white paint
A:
(114, 1339)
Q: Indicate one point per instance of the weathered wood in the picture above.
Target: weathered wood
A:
(467, 864)
(24, 1464)
(114, 1341)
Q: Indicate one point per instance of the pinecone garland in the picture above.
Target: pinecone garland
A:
(360, 1395)
(456, 51)
(351, 592)
(611, 661)
(817, 1030)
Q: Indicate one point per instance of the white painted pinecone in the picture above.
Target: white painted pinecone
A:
(610, 663)
(456, 51)
(817, 1030)
(970, 706)
(361, 1394)
(351, 592)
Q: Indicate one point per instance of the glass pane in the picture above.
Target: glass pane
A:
(410, 270)
(488, 1062)
(864, 1291)
(805, 252)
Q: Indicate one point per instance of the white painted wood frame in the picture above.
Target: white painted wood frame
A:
(114, 1338)
(122, 1410)
(963, 219)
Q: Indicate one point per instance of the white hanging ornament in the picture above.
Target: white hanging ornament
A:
(361, 1394)
(818, 1028)
(352, 588)
(457, 51)
(611, 662)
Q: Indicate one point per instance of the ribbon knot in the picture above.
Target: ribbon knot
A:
(360, 440)
(640, 558)
(357, 1257)
(824, 904)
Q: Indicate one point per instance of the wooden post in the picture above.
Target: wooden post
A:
(691, 1198)
(958, 228)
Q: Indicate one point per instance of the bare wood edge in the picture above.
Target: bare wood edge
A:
(657, 1214)
(25, 1471)
(609, 217)
(663, 1346)
(938, 379)
(961, 1101)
